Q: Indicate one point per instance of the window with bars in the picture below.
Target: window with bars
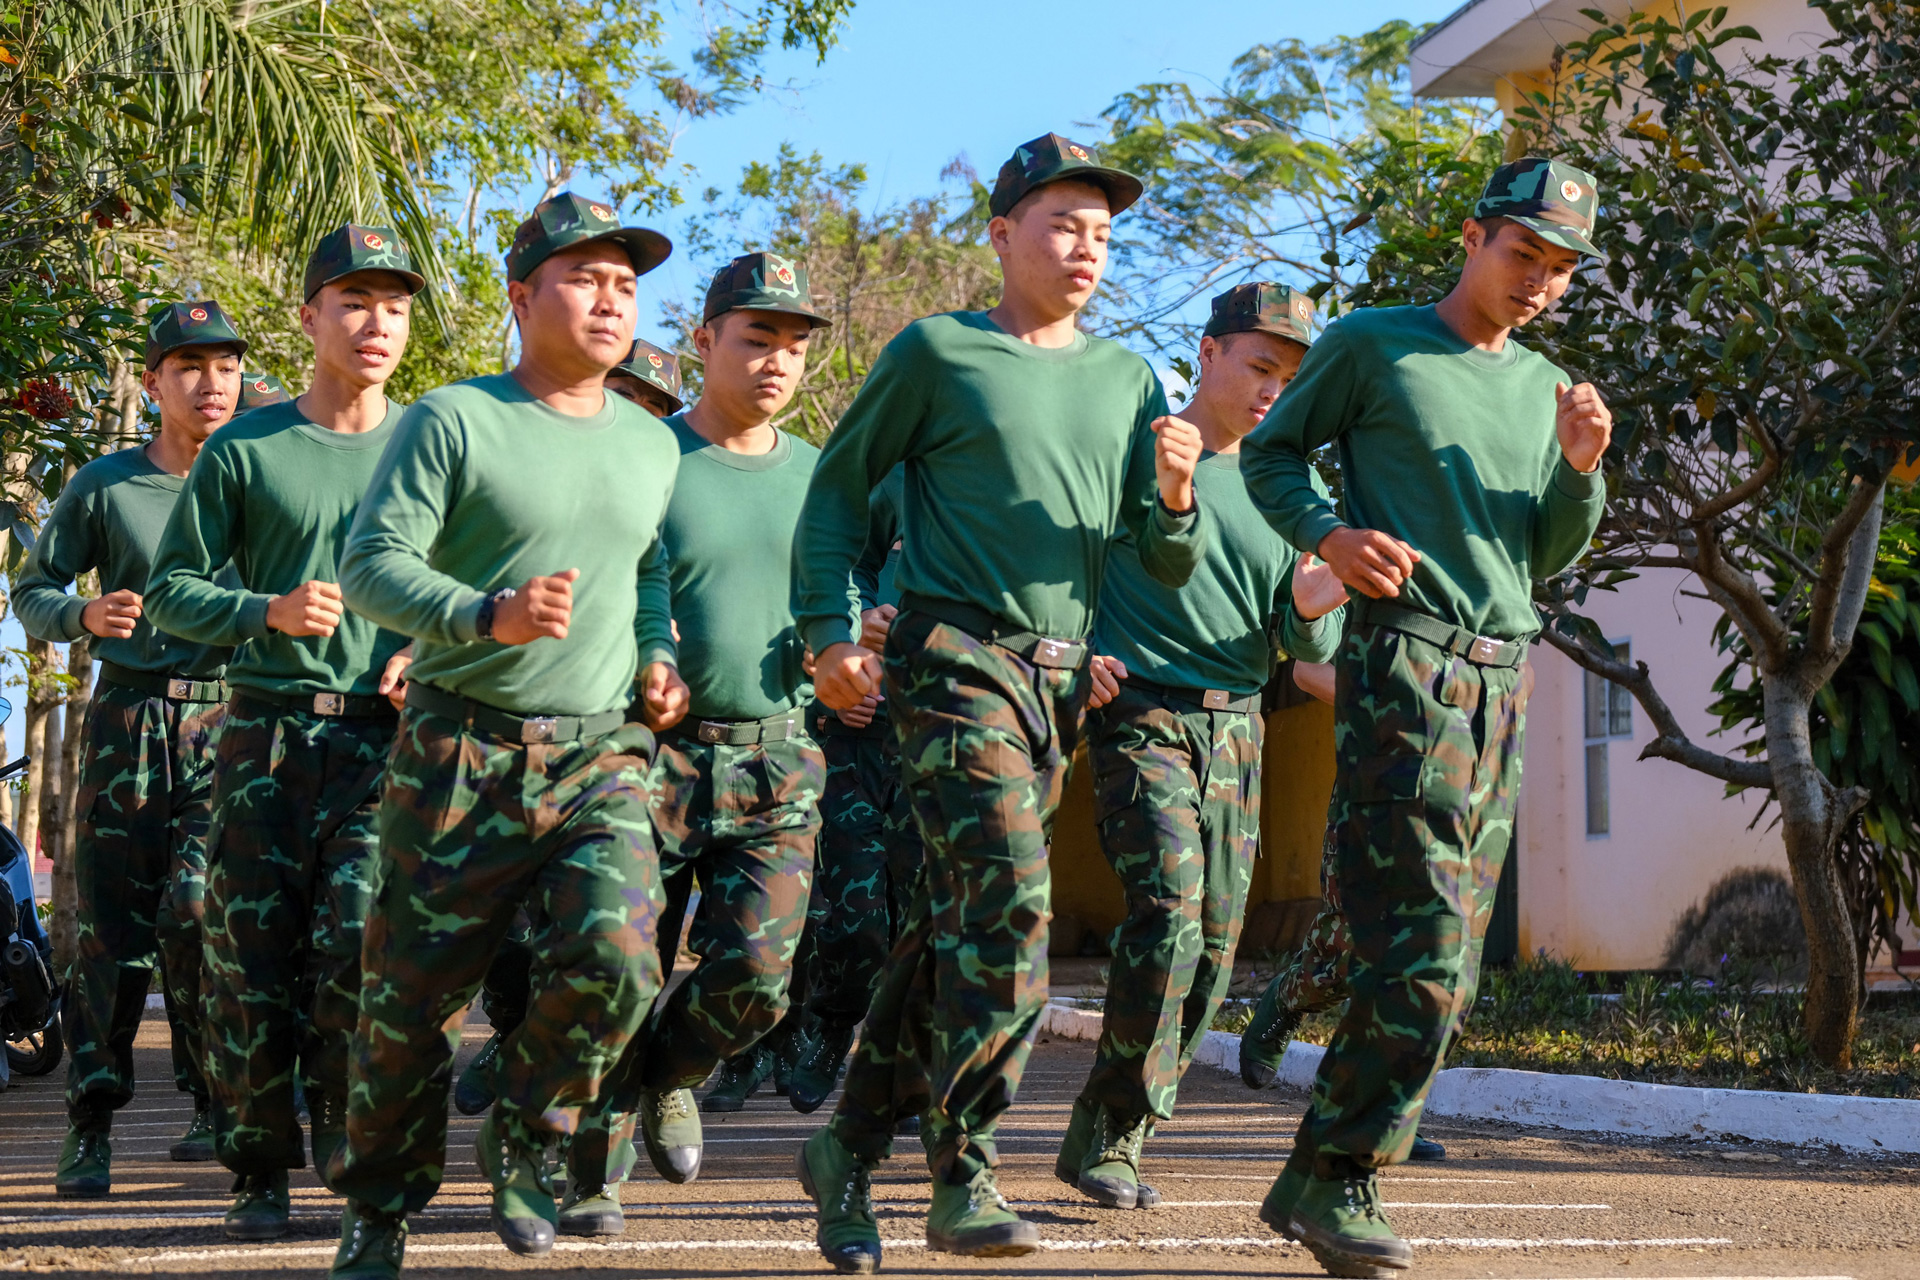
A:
(1609, 715)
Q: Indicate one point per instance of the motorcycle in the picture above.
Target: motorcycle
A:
(29, 1002)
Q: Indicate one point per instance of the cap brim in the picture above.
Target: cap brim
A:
(645, 249)
(154, 355)
(1122, 188)
(415, 281)
(627, 370)
(817, 320)
(1555, 233)
(1290, 335)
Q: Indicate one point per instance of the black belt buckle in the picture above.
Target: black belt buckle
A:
(329, 704)
(1215, 699)
(713, 731)
(539, 728)
(179, 690)
(1060, 655)
(1485, 650)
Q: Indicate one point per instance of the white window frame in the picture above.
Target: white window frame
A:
(1615, 720)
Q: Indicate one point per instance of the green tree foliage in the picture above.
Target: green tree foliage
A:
(1304, 162)
(873, 271)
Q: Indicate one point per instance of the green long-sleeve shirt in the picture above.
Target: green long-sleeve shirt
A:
(1022, 463)
(484, 487)
(273, 493)
(110, 517)
(1445, 446)
(1213, 633)
(875, 572)
(729, 542)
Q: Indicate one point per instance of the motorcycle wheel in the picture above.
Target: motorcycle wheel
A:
(37, 1052)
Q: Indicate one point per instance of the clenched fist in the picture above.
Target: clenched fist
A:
(543, 607)
(1369, 561)
(1583, 423)
(1107, 674)
(111, 617)
(845, 674)
(663, 696)
(310, 609)
(1317, 589)
(1176, 450)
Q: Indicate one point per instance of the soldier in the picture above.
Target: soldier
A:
(870, 856)
(1175, 741)
(1027, 445)
(517, 780)
(738, 781)
(139, 848)
(298, 765)
(650, 377)
(1471, 468)
(257, 390)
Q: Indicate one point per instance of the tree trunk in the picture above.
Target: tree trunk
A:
(48, 800)
(40, 701)
(73, 747)
(1811, 824)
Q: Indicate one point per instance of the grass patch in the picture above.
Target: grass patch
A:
(1543, 1015)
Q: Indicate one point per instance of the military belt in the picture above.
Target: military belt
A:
(1485, 651)
(742, 733)
(510, 726)
(828, 725)
(334, 706)
(1041, 651)
(1205, 699)
(158, 684)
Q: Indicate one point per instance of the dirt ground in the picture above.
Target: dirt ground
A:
(1507, 1202)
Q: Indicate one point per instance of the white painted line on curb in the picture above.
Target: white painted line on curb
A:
(1493, 1242)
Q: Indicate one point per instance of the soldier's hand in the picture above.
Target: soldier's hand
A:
(1368, 561)
(1176, 451)
(1315, 678)
(543, 607)
(845, 674)
(1317, 589)
(1107, 674)
(663, 696)
(111, 617)
(874, 625)
(393, 677)
(310, 609)
(1583, 423)
(859, 717)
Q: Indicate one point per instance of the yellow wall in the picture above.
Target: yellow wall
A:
(1297, 781)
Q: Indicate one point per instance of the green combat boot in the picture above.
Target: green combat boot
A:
(818, 1070)
(1426, 1149)
(740, 1078)
(473, 1091)
(670, 1127)
(1338, 1216)
(974, 1222)
(840, 1184)
(260, 1206)
(523, 1210)
(1264, 1042)
(196, 1144)
(372, 1245)
(598, 1160)
(1110, 1171)
(1277, 1209)
(85, 1171)
(326, 1132)
(792, 1044)
(1067, 1166)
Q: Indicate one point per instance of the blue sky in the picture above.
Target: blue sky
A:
(915, 83)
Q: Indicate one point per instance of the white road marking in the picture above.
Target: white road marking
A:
(801, 1246)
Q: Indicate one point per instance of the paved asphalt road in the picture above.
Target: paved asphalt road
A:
(1507, 1202)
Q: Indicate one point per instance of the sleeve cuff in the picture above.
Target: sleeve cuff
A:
(1313, 529)
(252, 622)
(72, 618)
(652, 653)
(466, 619)
(1583, 486)
(822, 633)
(1174, 522)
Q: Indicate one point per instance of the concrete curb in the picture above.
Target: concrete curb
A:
(1591, 1104)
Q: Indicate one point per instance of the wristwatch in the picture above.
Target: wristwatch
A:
(483, 621)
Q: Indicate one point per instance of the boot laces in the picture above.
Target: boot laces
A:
(1363, 1196)
(1121, 1140)
(857, 1197)
(984, 1192)
(669, 1104)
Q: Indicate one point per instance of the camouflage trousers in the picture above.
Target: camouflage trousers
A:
(1317, 977)
(1177, 801)
(985, 738)
(473, 829)
(140, 865)
(290, 875)
(742, 821)
(870, 860)
(1427, 751)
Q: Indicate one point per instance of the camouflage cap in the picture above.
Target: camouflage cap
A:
(1556, 201)
(190, 324)
(762, 282)
(1052, 158)
(1260, 306)
(565, 220)
(260, 389)
(655, 366)
(350, 248)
